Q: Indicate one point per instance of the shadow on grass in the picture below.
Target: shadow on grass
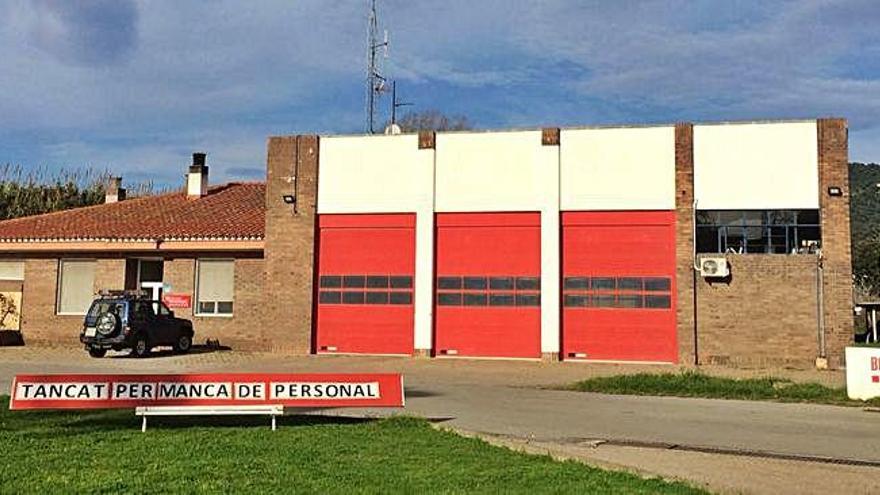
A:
(48, 424)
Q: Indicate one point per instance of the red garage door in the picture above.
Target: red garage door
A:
(366, 266)
(618, 273)
(488, 290)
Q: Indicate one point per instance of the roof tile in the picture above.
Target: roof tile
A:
(230, 211)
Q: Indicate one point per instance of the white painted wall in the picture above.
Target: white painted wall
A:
(492, 171)
(550, 249)
(374, 174)
(617, 169)
(756, 166)
(386, 174)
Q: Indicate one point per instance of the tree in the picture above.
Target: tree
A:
(865, 218)
(433, 120)
(23, 194)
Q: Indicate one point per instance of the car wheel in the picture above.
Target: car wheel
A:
(141, 348)
(97, 353)
(183, 344)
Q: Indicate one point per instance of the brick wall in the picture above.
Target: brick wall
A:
(836, 240)
(684, 241)
(291, 169)
(241, 331)
(765, 314)
(39, 323)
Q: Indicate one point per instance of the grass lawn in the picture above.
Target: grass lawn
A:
(695, 384)
(104, 451)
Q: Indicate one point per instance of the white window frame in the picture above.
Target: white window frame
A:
(59, 285)
(197, 304)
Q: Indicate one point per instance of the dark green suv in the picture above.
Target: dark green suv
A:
(129, 320)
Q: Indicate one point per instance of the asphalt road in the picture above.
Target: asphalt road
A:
(546, 415)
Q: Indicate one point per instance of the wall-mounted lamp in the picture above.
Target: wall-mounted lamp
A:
(835, 191)
(289, 199)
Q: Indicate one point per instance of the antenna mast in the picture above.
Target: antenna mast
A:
(375, 79)
(395, 104)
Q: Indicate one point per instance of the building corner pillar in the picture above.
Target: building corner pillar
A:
(686, 329)
(289, 242)
(550, 245)
(834, 218)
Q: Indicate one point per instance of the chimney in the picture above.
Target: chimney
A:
(197, 178)
(114, 192)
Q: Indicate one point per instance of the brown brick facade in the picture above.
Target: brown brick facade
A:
(764, 314)
(684, 241)
(291, 169)
(41, 325)
(39, 322)
(243, 330)
(836, 237)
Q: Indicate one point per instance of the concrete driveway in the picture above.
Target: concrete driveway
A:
(508, 402)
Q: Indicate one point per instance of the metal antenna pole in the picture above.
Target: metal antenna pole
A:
(375, 80)
(395, 103)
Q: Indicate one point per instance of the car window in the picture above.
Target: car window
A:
(106, 306)
(142, 311)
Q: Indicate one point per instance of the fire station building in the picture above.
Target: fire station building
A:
(723, 243)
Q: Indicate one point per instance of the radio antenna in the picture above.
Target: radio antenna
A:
(375, 79)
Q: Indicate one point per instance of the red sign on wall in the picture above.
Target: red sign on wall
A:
(224, 389)
(177, 300)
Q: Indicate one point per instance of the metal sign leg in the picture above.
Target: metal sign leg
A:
(273, 422)
(144, 424)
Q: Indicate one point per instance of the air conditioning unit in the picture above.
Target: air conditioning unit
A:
(714, 267)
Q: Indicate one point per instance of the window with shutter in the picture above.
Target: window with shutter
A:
(215, 281)
(76, 286)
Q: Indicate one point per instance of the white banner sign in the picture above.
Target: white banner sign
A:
(862, 372)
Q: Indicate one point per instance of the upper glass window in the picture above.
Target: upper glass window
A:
(758, 231)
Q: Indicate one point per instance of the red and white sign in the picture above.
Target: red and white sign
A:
(862, 372)
(224, 389)
(173, 301)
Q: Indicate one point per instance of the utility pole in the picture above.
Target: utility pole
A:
(375, 79)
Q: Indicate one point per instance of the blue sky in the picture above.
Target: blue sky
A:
(136, 86)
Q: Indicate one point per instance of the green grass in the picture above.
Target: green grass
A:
(104, 452)
(695, 384)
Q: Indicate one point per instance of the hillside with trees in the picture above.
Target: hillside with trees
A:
(865, 214)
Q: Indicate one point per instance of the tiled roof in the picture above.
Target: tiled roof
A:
(234, 211)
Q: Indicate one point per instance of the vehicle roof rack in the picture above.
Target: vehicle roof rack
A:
(122, 293)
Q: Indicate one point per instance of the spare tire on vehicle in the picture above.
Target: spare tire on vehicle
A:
(107, 324)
